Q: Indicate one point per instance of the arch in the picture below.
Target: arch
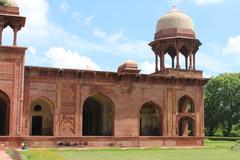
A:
(150, 120)
(185, 52)
(171, 51)
(4, 113)
(186, 105)
(98, 115)
(7, 36)
(41, 117)
(186, 126)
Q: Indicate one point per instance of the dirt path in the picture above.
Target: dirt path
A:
(4, 155)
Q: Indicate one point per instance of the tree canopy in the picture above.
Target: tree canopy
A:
(222, 104)
(4, 3)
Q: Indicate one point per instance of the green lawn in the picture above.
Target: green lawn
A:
(214, 150)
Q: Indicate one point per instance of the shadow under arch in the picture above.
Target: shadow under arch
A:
(151, 120)
(186, 105)
(41, 117)
(4, 113)
(98, 116)
(186, 126)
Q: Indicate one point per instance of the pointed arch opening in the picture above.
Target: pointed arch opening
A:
(98, 116)
(185, 56)
(150, 120)
(171, 51)
(186, 127)
(186, 105)
(4, 114)
(41, 117)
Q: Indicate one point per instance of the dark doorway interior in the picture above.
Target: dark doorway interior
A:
(3, 117)
(97, 116)
(92, 118)
(37, 125)
(150, 121)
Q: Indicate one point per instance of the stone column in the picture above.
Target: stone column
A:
(194, 65)
(162, 60)
(173, 61)
(177, 53)
(1, 31)
(190, 61)
(186, 62)
(156, 62)
(185, 127)
(15, 30)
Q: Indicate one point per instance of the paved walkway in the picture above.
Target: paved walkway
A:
(4, 155)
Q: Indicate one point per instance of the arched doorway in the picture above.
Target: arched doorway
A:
(150, 120)
(98, 116)
(186, 127)
(41, 123)
(4, 114)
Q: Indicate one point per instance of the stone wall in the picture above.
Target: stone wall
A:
(68, 92)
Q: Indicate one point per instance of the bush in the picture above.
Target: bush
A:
(218, 132)
(235, 131)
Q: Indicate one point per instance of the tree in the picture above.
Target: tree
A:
(3, 2)
(222, 103)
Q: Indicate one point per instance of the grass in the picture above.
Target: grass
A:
(213, 150)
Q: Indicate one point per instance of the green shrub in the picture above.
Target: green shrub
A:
(218, 132)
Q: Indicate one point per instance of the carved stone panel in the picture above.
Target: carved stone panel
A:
(68, 125)
(68, 98)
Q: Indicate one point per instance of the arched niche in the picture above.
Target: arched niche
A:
(41, 117)
(150, 120)
(186, 126)
(4, 113)
(98, 114)
(186, 105)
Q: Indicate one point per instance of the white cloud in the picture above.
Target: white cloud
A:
(98, 32)
(147, 67)
(88, 20)
(32, 50)
(41, 33)
(115, 37)
(110, 38)
(61, 58)
(76, 15)
(64, 6)
(233, 45)
(212, 64)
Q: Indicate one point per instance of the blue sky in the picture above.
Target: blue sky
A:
(101, 35)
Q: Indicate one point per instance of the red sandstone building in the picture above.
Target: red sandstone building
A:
(56, 107)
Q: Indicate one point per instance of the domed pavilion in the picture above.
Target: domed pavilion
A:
(175, 34)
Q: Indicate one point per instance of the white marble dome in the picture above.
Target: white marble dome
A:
(175, 19)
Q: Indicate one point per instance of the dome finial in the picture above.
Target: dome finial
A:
(174, 8)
